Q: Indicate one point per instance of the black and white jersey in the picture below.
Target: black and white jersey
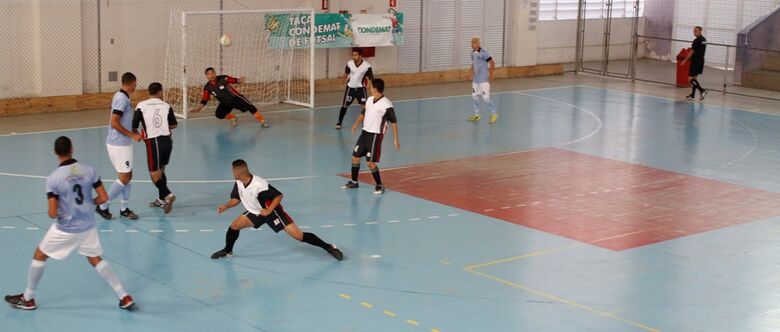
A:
(376, 115)
(699, 47)
(155, 116)
(257, 195)
(358, 73)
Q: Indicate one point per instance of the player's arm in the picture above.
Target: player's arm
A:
(102, 195)
(346, 75)
(274, 195)
(115, 117)
(137, 116)
(492, 68)
(234, 200)
(53, 198)
(359, 120)
(390, 113)
(204, 99)
(172, 123)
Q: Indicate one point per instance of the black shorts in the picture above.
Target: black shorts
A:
(277, 220)
(369, 145)
(238, 102)
(697, 67)
(352, 94)
(158, 152)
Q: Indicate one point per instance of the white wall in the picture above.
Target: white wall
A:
(41, 39)
(557, 40)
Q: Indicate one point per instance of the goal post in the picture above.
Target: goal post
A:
(273, 50)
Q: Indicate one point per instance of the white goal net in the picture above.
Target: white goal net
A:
(260, 49)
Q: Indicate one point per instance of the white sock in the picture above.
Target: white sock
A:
(104, 270)
(476, 104)
(116, 188)
(33, 277)
(126, 195)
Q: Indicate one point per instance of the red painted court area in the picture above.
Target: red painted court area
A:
(611, 204)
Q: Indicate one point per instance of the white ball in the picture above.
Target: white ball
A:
(226, 40)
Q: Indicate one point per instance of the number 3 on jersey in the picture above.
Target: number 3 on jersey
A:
(79, 194)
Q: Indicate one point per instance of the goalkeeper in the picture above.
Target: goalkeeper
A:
(220, 87)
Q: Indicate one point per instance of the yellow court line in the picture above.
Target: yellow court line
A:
(345, 296)
(367, 305)
(510, 259)
(563, 300)
(413, 322)
(389, 313)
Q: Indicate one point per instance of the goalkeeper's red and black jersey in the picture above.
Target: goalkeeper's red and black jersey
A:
(221, 89)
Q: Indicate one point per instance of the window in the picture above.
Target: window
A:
(550, 10)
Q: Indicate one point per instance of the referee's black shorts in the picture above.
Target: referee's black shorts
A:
(697, 67)
(369, 145)
(158, 152)
(351, 94)
(277, 220)
(238, 102)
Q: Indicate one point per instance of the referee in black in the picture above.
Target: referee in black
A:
(696, 57)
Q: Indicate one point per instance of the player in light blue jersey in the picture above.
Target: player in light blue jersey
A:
(69, 192)
(482, 67)
(120, 148)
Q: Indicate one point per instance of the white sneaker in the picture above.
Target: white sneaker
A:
(169, 202)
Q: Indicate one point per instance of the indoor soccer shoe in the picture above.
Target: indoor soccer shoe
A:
(378, 190)
(126, 302)
(690, 97)
(157, 203)
(128, 214)
(169, 203)
(703, 93)
(475, 118)
(338, 126)
(265, 125)
(104, 213)
(493, 118)
(350, 185)
(337, 254)
(221, 253)
(18, 302)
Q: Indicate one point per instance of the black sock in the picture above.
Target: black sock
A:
(698, 86)
(693, 90)
(315, 240)
(230, 239)
(355, 171)
(162, 188)
(342, 113)
(375, 173)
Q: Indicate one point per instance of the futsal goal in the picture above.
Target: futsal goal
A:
(273, 50)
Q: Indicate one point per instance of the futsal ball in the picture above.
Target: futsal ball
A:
(226, 40)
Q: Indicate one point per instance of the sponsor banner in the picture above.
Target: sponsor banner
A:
(334, 30)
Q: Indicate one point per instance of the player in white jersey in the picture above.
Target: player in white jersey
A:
(157, 120)
(378, 112)
(358, 74)
(482, 67)
(120, 148)
(263, 206)
(69, 192)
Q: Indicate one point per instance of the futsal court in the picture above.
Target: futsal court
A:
(582, 209)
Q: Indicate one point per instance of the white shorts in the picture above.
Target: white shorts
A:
(59, 245)
(480, 90)
(121, 157)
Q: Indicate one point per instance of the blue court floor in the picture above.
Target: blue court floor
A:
(411, 264)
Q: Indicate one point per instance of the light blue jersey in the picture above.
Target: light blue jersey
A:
(72, 185)
(480, 60)
(120, 105)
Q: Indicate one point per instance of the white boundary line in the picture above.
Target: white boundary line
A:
(287, 111)
(171, 181)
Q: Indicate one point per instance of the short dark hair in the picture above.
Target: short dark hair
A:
(207, 70)
(378, 84)
(239, 163)
(63, 146)
(698, 27)
(358, 51)
(155, 88)
(128, 78)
